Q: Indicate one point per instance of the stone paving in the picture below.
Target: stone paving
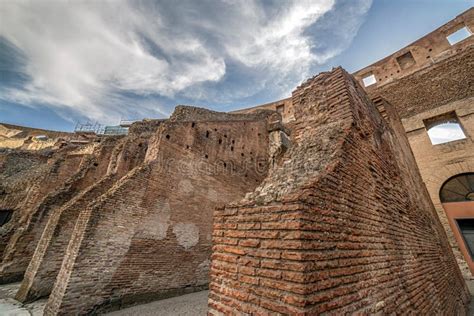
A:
(194, 304)
(11, 307)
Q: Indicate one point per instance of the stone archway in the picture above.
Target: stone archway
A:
(457, 198)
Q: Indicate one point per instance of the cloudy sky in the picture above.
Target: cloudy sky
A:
(68, 61)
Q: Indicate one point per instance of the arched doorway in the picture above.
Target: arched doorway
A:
(457, 196)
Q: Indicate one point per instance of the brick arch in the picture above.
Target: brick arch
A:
(452, 180)
(435, 181)
(433, 184)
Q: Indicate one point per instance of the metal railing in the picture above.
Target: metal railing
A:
(89, 127)
(100, 129)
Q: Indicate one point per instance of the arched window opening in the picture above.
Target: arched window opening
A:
(444, 128)
(5, 216)
(459, 188)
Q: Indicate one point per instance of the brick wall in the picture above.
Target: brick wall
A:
(114, 158)
(149, 236)
(351, 230)
(421, 54)
(18, 236)
(18, 172)
(443, 87)
(447, 86)
(24, 138)
(446, 81)
(284, 107)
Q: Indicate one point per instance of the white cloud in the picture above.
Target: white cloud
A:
(278, 42)
(84, 55)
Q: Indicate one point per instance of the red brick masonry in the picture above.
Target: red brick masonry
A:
(342, 224)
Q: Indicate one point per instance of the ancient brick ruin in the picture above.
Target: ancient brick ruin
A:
(343, 224)
(443, 86)
(325, 202)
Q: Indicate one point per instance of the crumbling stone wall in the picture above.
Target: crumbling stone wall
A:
(25, 138)
(442, 83)
(424, 52)
(27, 178)
(342, 224)
(36, 183)
(284, 107)
(443, 87)
(149, 236)
(18, 172)
(114, 158)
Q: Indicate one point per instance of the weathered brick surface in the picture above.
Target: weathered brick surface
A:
(27, 190)
(49, 253)
(340, 224)
(38, 183)
(149, 236)
(439, 81)
(18, 172)
(114, 160)
(425, 52)
(446, 81)
(25, 138)
(443, 87)
(349, 231)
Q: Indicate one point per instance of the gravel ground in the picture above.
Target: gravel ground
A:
(11, 307)
(194, 304)
(470, 286)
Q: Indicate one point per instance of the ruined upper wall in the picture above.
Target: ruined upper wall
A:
(420, 54)
(432, 87)
(26, 178)
(184, 113)
(284, 107)
(196, 160)
(342, 225)
(16, 130)
(36, 183)
(13, 136)
(113, 158)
